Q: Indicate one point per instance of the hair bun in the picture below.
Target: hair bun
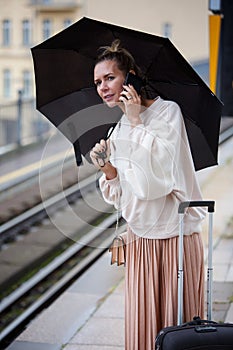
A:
(115, 46)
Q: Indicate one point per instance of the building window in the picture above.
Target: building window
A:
(67, 22)
(26, 26)
(27, 84)
(47, 29)
(6, 32)
(41, 2)
(6, 83)
(167, 30)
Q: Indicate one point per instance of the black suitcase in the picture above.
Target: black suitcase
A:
(197, 334)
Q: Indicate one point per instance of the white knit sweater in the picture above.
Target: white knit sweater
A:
(155, 173)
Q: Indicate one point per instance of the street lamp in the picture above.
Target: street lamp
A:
(19, 117)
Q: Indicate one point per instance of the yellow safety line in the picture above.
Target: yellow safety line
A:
(17, 173)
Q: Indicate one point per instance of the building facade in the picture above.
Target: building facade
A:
(26, 23)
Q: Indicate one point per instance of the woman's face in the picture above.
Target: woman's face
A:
(109, 81)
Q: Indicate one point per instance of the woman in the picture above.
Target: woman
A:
(150, 173)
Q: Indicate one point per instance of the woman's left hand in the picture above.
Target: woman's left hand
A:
(100, 153)
(132, 104)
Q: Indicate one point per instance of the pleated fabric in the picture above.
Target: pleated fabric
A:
(151, 286)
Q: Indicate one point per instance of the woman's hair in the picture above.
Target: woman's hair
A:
(125, 63)
(123, 58)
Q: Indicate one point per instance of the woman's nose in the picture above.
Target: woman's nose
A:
(104, 86)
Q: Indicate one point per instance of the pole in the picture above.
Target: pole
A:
(19, 118)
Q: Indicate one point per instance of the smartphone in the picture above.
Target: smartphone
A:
(134, 80)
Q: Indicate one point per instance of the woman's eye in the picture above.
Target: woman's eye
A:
(97, 83)
(110, 77)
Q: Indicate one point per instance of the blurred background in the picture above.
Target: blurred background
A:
(26, 23)
(46, 202)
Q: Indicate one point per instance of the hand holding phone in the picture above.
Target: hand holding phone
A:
(135, 81)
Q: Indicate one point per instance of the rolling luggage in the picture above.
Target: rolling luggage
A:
(197, 334)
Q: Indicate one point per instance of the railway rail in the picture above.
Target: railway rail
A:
(49, 282)
(22, 222)
(24, 302)
(21, 193)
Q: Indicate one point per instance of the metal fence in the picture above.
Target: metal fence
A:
(21, 123)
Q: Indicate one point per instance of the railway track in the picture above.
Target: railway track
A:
(22, 222)
(25, 300)
(20, 194)
(24, 303)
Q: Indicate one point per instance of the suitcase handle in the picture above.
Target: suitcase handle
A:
(197, 321)
(181, 210)
(184, 205)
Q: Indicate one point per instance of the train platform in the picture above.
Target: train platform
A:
(90, 314)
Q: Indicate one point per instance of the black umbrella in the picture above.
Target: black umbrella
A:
(67, 97)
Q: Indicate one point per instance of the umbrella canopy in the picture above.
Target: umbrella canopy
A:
(66, 95)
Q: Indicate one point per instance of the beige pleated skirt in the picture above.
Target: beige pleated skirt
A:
(151, 286)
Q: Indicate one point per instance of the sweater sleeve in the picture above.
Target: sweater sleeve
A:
(152, 160)
(111, 190)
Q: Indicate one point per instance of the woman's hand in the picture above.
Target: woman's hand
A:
(132, 104)
(100, 154)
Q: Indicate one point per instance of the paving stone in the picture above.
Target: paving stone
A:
(229, 317)
(229, 277)
(112, 307)
(224, 252)
(104, 277)
(61, 320)
(101, 331)
(220, 272)
(18, 345)
(222, 291)
(92, 347)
